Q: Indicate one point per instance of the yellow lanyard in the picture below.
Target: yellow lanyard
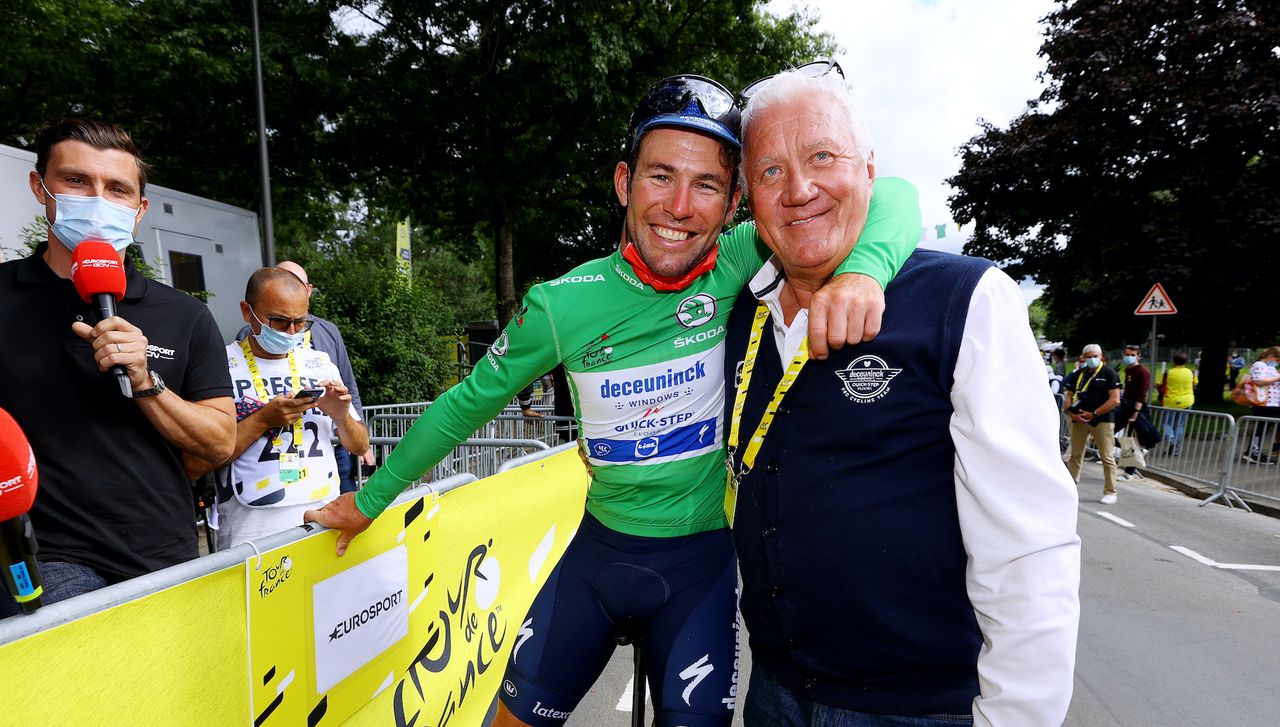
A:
(260, 386)
(1084, 388)
(740, 399)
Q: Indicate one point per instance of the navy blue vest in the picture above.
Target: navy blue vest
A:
(852, 564)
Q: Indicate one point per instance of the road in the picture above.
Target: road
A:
(1180, 623)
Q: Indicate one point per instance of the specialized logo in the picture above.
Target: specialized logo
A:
(365, 615)
(274, 576)
(696, 310)
(866, 379)
(154, 351)
(499, 347)
(597, 278)
(524, 634)
(696, 672)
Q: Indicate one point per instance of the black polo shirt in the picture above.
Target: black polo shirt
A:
(1093, 389)
(113, 494)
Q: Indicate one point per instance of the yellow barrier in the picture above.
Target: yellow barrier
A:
(412, 626)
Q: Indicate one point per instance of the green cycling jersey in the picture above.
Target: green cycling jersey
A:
(646, 371)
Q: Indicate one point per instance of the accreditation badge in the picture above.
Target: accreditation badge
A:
(290, 468)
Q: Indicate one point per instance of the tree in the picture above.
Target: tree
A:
(178, 74)
(1151, 156)
(505, 119)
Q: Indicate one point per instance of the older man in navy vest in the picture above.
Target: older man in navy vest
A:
(905, 527)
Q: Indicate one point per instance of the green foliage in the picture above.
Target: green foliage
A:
(1153, 156)
(506, 120)
(1038, 313)
(495, 127)
(391, 325)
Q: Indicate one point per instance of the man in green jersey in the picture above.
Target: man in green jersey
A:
(641, 336)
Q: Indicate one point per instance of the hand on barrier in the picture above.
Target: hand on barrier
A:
(341, 515)
(846, 310)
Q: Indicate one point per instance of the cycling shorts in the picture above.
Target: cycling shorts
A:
(678, 595)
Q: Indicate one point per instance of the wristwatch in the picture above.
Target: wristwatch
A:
(157, 387)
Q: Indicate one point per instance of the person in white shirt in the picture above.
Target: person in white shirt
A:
(290, 404)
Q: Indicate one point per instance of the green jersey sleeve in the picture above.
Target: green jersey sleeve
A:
(891, 232)
(526, 349)
(887, 240)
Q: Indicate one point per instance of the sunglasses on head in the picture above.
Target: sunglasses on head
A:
(812, 69)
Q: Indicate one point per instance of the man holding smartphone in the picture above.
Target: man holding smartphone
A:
(290, 404)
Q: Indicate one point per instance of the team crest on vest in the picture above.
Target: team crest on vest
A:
(696, 310)
(866, 379)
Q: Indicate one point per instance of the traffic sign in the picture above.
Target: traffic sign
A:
(1156, 303)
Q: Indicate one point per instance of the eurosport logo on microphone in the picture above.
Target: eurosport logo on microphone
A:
(10, 484)
(95, 262)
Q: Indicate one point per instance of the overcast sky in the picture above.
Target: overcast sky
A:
(924, 72)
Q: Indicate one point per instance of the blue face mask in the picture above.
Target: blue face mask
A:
(1273, 364)
(1130, 360)
(274, 342)
(77, 219)
(1093, 363)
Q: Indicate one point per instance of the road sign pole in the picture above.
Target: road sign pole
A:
(1154, 355)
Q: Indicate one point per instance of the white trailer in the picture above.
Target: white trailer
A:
(192, 243)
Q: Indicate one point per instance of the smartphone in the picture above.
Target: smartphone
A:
(309, 394)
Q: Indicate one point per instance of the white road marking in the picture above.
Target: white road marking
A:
(1224, 566)
(1117, 520)
(624, 704)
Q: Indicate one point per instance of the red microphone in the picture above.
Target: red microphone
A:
(21, 574)
(98, 275)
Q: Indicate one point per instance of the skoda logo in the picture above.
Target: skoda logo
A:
(499, 347)
(696, 310)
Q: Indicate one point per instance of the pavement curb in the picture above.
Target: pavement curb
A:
(1204, 492)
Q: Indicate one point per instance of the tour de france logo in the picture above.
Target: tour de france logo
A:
(866, 379)
(696, 310)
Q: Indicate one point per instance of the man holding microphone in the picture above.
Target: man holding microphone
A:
(114, 501)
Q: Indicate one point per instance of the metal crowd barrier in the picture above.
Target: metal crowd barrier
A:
(1195, 445)
(1251, 466)
(507, 436)
(1204, 447)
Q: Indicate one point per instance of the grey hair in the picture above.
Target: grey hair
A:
(792, 83)
(1092, 348)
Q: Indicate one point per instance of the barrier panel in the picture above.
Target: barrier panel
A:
(412, 626)
(1252, 468)
(1195, 445)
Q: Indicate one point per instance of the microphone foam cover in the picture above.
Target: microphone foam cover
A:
(95, 269)
(17, 469)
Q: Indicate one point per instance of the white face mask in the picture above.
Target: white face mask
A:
(78, 218)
